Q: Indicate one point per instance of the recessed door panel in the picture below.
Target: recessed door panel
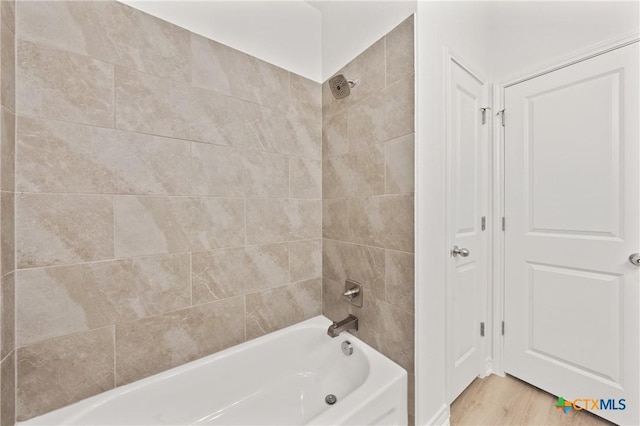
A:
(465, 295)
(572, 205)
(574, 158)
(559, 328)
(465, 153)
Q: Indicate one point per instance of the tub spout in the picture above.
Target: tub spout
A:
(349, 323)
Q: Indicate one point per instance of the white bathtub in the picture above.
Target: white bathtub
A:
(281, 378)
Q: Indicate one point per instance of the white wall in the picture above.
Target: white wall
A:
(462, 27)
(284, 33)
(350, 27)
(525, 35)
(499, 39)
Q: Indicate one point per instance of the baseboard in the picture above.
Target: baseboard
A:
(488, 368)
(441, 418)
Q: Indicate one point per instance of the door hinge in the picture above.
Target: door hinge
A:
(501, 113)
(484, 114)
(483, 223)
(482, 329)
(504, 223)
(503, 328)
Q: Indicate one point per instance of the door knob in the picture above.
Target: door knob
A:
(635, 259)
(463, 252)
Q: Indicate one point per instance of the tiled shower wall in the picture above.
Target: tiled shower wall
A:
(7, 178)
(368, 195)
(168, 199)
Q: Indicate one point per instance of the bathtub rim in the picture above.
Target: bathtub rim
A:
(380, 369)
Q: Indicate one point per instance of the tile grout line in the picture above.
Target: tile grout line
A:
(140, 195)
(385, 60)
(244, 204)
(369, 145)
(187, 82)
(113, 209)
(167, 254)
(244, 305)
(145, 318)
(156, 135)
(115, 363)
(369, 246)
(15, 221)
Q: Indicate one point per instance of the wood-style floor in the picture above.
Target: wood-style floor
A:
(497, 400)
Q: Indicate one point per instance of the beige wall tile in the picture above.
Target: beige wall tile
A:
(151, 225)
(359, 173)
(305, 178)
(388, 329)
(8, 12)
(368, 151)
(149, 104)
(61, 371)
(306, 96)
(63, 85)
(126, 36)
(399, 165)
(277, 220)
(7, 328)
(55, 229)
(216, 223)
(293, 133)
(334, 306)
(226, 273)
(8, 389)
(62, 300)
(55, 156)
(335, 218)
(400, 279)
(271, 310)
(7, 232)
(265, 175)
(216, 171)
(335, 135)
(368, 71)
(218, 67)
(305, 260)
(399, 51)
(231, 72)
(383, 116)
(242, 128)
(151, 345)
(227, 172)
(7, 64)
(267, 84)
(366, 265)
(385, 221)
(7, 150)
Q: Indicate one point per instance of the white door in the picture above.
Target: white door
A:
(468, 203)
(571, 206)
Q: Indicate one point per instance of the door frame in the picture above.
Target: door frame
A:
(450, 58)
(498, 177)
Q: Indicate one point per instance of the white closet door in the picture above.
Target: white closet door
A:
(572, 210)
(468, 203)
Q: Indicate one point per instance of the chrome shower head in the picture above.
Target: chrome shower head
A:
(340, 86)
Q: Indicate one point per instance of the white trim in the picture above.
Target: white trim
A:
(575, 57)
(421, 346)
(498, 235)
(441, 418)
(499, 178)
(488, 368)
